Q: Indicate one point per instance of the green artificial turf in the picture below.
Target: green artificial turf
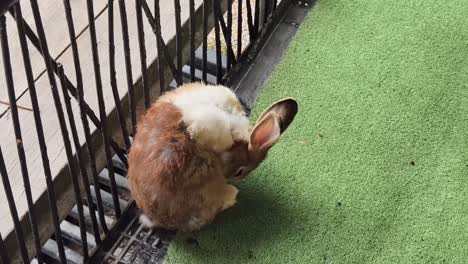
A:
(375, 167)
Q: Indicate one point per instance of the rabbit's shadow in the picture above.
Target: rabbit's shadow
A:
(258, 217)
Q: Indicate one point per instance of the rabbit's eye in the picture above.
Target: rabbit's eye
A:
(239, 172)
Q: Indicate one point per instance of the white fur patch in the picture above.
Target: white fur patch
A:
(240, 127)
(209, 126)
(218, 95)
(195, 223)
(213, 116)
(144, 220)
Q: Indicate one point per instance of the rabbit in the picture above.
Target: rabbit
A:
(189, 144)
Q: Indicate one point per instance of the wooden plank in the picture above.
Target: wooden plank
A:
(55, 26)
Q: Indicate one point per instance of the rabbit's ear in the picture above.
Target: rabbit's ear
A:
(265, 133)
(286, 109)
(272, 123)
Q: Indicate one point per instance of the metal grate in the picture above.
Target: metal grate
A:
(136, 244)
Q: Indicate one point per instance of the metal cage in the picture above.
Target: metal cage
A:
(83, 200)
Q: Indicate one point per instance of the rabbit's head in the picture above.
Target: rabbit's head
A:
(245, 156)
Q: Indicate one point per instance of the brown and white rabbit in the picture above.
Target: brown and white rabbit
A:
(188, 145)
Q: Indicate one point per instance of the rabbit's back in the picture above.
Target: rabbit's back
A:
(168, 171)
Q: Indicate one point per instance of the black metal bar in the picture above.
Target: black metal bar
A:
(254, 48)
(219, 66)
(13, 212)
(128, 64)
(81, 103)
(5, 5)
(120, 225)
(40, 132)
(102, 107)
(205, 40)
(192, 39)
(81, 162)
(275, 4)
(239, 28)
(70, 159)
(96, 184)
(142, 46)
(19, 142)
(21, 153)
(267, 11)
(157, 32)
(71, 166)
(35, 41)
(113, 80)
(156, 26)
(3, 254)
(257, 18)
(179, 44)
(118, 151)
(227, 33)
(228, 36)
(250, 22)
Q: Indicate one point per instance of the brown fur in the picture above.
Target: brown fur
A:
(185, 180)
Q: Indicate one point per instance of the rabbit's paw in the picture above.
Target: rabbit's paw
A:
(230, 196)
